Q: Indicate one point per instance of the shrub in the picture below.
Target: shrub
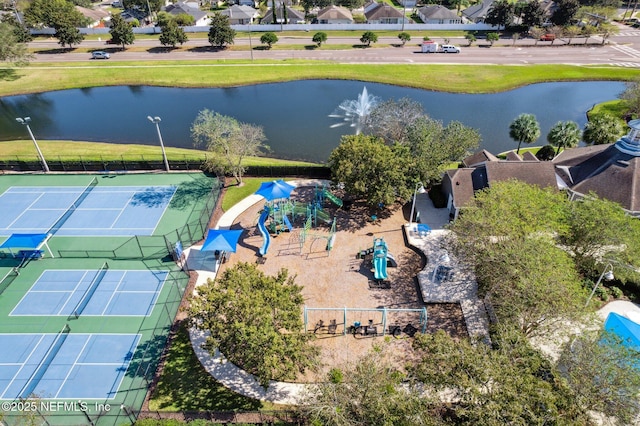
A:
(336, 376)
(616, 292)
(546, 153)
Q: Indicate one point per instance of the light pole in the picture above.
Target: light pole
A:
(607, 274)
(156, 121)
(419, 190)
(25, 121)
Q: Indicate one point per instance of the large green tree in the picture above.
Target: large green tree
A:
(524, 128)
(12, 51)
(433, 147)
(603, 375)
(370, 169)
(602, 129)
(172, 34)
(67, 33)
(564, 134)
(255, 320)
(631, 97)
(53, 13)
(121, 31)
(229, 140)
(533, 14)
(220, 32)
(565, 12)
(512, 384)
(20, 32)
(371, 391)
(501, 13)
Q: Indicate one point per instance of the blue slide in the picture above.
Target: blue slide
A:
(263, 230)
(380, 259)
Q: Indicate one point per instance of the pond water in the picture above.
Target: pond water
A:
(295, 115)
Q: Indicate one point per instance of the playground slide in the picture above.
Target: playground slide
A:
(323, 216)
(335, 200)
(380, 265)
(287, 223)
(263, 230)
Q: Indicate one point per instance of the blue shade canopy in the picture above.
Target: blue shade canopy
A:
(274, 190)
(27, 242)
(222, 240)
(625, 329)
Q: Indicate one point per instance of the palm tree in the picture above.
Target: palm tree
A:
(564, 134)
(524, 128)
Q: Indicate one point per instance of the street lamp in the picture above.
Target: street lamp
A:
(419, 190)
(25, 121)
(607, 274)
(156, 121)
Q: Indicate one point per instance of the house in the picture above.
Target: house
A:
(180, 8)
(335, 15)
(436, 14)
(96, 17)
(478, 12)
(610, 171)
(383, 13)
(250, 3)
(483, 169)
(240, 15)
(293, 16)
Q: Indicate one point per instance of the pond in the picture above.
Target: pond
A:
(295, 115)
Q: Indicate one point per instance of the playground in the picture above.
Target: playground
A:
(358, 274)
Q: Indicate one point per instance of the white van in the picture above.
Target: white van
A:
(449, 48)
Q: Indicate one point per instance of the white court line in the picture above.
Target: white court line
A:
(75, 362)
(23, 364)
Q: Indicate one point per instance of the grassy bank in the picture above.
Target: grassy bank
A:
(98, 151)
(451, 78)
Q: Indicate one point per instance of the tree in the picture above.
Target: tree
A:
(155, 5)
(11, 50)
(20, 33)
(229, 140)
(404, 37)
(603, 375)
(565, 11)
(221, 32)
(471, 38)
(564, 134)
(121, 31)
(380, 179)
(607, 30)
(536, 33)
(350, 4)
(631, 97)
(370, 391)
(368, 37)
(319, 38)
(533, 14)
(255, 321)
(500, 13)
(602, 129)
(492, 38)
(512, 384)
(53, 13)
(307, 5)
(172, 34)
(269, 39)
(391, 119)
(433, 146)
(572, 31)
(184, 19)
(67, 33)
(524, 128)
(588, 31)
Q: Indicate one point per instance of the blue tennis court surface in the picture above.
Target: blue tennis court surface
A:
(93, 292)
(100, 211)
(82, 366)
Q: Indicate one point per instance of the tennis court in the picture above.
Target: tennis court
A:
(84, 211)
(64, 365)
(102, 292)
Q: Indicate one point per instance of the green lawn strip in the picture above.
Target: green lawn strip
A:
(450, 78)
(185, 385)
(98, 151)
(616, 108)
(235, 193)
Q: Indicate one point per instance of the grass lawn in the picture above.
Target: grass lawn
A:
(236, 193)
(185, 385)
(95, 151)
(455, 78)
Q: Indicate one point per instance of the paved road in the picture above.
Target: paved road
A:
(621, 50)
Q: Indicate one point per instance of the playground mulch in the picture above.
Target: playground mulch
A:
(339, 278)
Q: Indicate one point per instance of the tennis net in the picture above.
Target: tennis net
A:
(85, 193)
(88, 293)
(38, 373)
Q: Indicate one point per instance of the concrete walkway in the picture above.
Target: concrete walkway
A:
(459, 286)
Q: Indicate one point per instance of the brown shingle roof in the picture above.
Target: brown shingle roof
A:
(461, 185)
(540, 173)
(383, 11)
(478, 158)
(334, 12)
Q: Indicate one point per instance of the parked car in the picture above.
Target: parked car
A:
(116, 4)
(548, 37)
(449, 48)
(99, 54)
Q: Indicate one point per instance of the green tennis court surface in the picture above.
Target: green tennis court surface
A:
(114, 295)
